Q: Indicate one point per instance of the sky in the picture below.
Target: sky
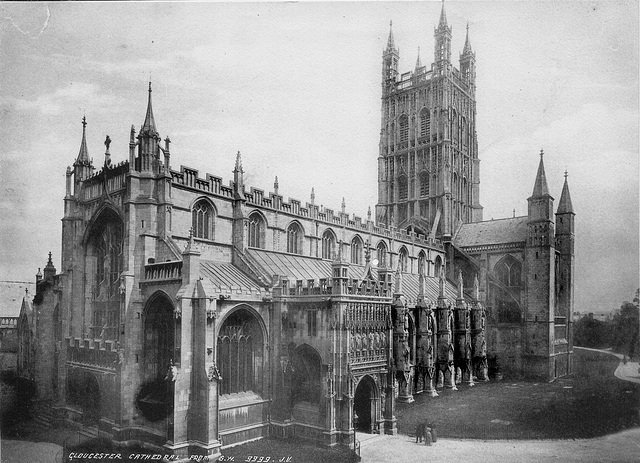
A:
(296, 88)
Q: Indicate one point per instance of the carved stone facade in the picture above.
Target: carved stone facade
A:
(428, 182)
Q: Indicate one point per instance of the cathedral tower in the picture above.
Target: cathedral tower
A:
(565, 242)
(428, 162)
(540, 280)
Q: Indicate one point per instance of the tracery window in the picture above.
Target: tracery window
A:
(381, 254)
(403, 188)
(202, 220)
(239, 355)
(356, 250)
(508, 271)
(403, 259)
(256, 231)
(425, 122)
(424, 184)
(103, 268)
(507, 298)
(328, 244)
(404, 128)
(294, 239)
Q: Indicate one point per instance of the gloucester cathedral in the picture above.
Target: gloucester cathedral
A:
(192, 312)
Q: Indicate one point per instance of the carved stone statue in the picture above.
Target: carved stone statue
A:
(172, 372)
(213, 373)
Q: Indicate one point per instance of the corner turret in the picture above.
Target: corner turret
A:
(468, 64)
(390, 59)
(148, 142)
(442, 51)
(82, 167)
(565, 243)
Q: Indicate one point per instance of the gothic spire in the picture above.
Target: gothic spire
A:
(467, 43)
(149, 125)
(540, 188)
(565, 206)
(238, 167)
(418, 61)
(391, 45)
(83, 155)
(443, 17)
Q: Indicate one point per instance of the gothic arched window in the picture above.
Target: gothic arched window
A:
(425, 122)
(202, 220)
(424, 184)
(159, 338)
(381, 254)
(356, 250)
(256, 231)
(438, 266)
(294, 238)
(508, 271)
(403, 259)
(403, 188)
(506, 299)
(328, 244)
(240, 353)
(103, 266)
(422, 259)
(403, 123)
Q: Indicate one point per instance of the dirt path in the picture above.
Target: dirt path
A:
(619, 448)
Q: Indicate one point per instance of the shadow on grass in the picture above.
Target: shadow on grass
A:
(592, 402)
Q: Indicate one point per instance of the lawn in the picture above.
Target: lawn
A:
(590, 403)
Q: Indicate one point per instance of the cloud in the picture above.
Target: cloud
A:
(74, 94)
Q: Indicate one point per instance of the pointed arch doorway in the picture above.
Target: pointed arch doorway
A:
(365, 405)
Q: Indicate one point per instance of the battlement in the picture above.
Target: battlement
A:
(326, 286)
(421, 75)
(92, 352)
(213, 184)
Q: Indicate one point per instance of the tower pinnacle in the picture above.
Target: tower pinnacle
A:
(467, 43)
(390, 42)
(565, 206)
(83, 154)
(443, 17)
(149, 126)
(540, 188)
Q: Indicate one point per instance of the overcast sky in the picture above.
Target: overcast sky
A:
(296, 88)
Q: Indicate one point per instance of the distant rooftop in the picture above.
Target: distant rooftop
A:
(492, 232)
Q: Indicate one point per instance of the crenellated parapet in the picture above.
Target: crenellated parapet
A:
(214, 185)
(93, 353)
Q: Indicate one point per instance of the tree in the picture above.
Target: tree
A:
(625, 329)
(588, 332)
